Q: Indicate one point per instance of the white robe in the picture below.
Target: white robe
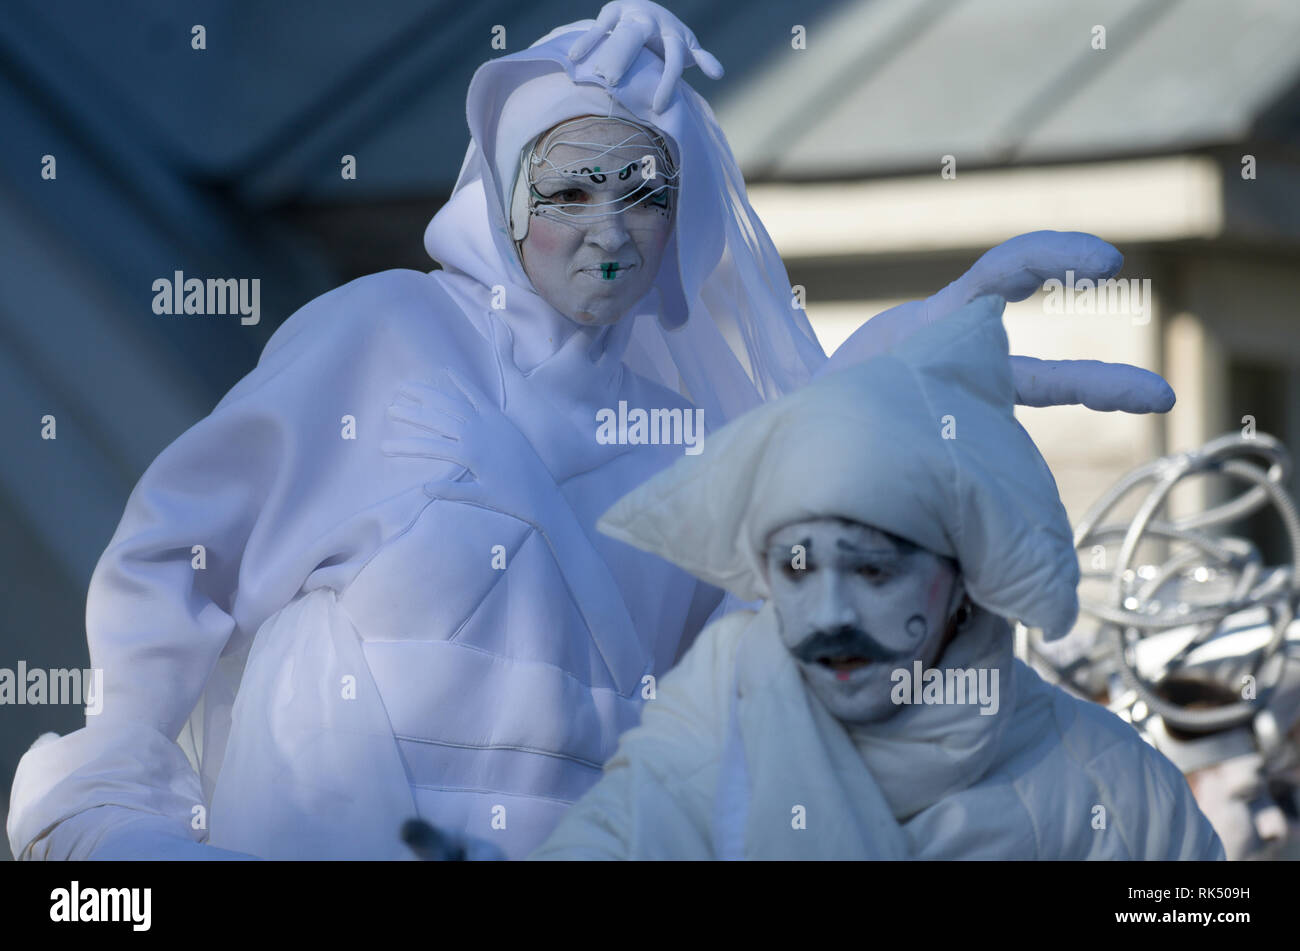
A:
(474, 687)
(735, 758)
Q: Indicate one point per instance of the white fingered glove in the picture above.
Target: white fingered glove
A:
(632, 24)
(1014, 270)
(454, 422)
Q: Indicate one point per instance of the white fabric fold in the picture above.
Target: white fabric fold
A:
(810, 795)
(308, 721)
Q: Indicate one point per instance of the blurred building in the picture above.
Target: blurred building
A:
(225, 161)
(1179, 142)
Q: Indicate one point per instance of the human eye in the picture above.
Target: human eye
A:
(649, 194)
(874, 571)
(564, 196)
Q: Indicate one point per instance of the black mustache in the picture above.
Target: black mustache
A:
(848, 641)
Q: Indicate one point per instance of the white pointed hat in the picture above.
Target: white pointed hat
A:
(921, 442)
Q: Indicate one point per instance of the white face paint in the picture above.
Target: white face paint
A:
(593, 268)
(864, 604)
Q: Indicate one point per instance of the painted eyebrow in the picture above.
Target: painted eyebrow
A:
(558, 181)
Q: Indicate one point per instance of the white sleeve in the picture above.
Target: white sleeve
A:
(145, 786)
(156, 625)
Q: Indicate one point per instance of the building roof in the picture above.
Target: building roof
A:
(892, 86)
(284, 89)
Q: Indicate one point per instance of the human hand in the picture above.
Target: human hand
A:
(454, 422)
(624, 26)
(1014, 270)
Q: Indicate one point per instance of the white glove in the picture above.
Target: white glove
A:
(1014, 270)
(632, 24)
(454, 422)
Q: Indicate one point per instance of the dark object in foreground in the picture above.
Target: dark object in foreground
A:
(429, 844)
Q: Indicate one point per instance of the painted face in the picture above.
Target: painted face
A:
(854, 604)
(593, 263)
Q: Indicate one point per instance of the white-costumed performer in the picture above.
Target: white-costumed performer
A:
(421, 619)
(893, 516)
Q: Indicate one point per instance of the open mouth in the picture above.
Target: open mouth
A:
(844, 666)
(847, 662)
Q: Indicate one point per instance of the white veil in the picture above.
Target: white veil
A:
(726, 334)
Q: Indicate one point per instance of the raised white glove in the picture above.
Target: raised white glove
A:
(1014, 270)
(624, 26)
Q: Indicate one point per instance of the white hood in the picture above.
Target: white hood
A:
(921, 442)
(725, 334)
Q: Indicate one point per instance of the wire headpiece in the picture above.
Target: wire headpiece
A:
(649, 170)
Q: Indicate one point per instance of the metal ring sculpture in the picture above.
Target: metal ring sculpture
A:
(1131, 608)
